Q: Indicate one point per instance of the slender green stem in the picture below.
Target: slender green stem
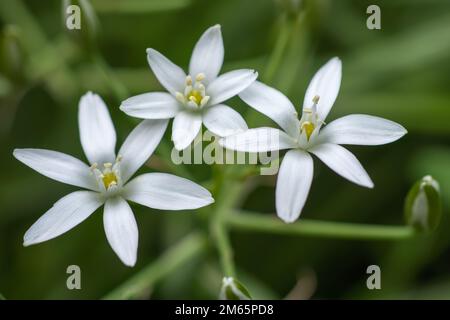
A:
(118, 88)
(263, 223)
(175, 257)
(224, 248)
(279, 49)
(228, 192)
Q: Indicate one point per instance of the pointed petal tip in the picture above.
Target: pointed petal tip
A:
(336, 60)
(130, 263)
(367, 184)
(27, 241)
(178, 147)
(287, 218)
(88, 94)
(15, 152)
(403, 130)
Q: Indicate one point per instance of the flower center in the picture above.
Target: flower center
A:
(308, 128)
(108, 178)
(309, 120)
(194, 95)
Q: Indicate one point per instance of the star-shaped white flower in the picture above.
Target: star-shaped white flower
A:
(195, 98)
(304, 136)
(107, 180)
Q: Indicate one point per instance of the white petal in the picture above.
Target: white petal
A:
(325, 84)
(171, 76)
(58, 166)
(230, 84)
(139, 146)
(293, 184)
(97, 133)
(343, 162)
(362, 130)
(273, 104)
(258, 140)
(185, 128)
(153, 105)
(223, 121)
(65, 214)
(207, 56)
(167, 192)
(121, 230)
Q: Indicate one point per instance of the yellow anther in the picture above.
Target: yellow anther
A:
(316, 99)
(308, 127)
(195, 96)
(188, 80)
(109, 179)
(200, 77)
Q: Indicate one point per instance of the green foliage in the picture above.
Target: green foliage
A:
(400, 72)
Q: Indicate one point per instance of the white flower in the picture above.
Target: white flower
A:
(194, 98)
(304, 136)
(107, 180)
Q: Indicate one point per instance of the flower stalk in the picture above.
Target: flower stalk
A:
(241, 220)
(229, 193)
(185, 250)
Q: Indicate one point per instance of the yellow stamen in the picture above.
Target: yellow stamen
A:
(308, 127)
(195, 96)
(109, 179)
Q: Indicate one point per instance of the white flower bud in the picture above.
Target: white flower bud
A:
(233, 290)
(423, 204)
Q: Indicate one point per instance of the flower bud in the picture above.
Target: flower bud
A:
(11, 53)
(423, 207)
(233, 290)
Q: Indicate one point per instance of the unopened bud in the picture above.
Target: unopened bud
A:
(11, 53)
(233, 290)
(423, 206)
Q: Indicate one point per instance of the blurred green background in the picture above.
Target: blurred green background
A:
(401, 72)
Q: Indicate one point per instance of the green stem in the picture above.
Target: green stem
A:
(118, 88)
(184, 251)
(263, 223)
(220, 233)
(279, 49)
(229, 192)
